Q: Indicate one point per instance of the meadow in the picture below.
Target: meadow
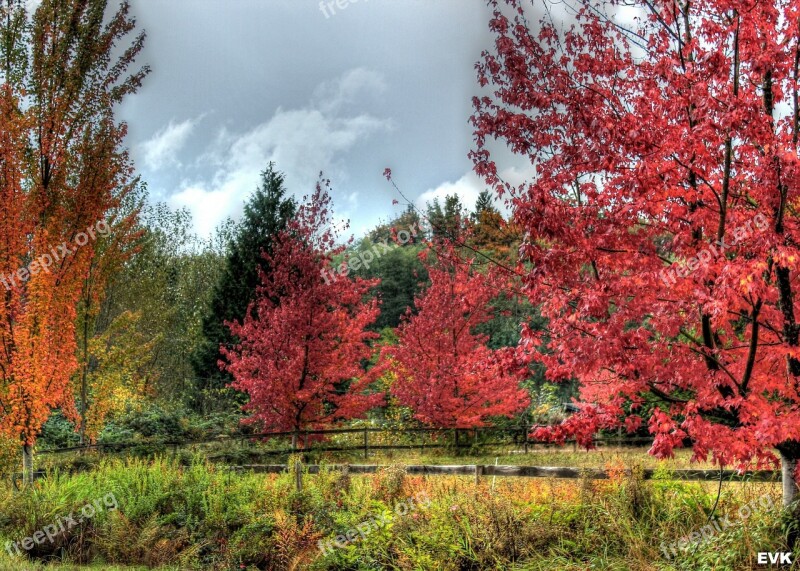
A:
(184, 512)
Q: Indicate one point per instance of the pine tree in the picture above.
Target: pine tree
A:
(484, 203)
(264, 217)
(448, 222)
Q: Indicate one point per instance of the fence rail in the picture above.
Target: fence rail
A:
(478, 470)
(440, 438)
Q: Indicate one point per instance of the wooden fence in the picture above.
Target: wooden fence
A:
(479, 470)
(360, 441)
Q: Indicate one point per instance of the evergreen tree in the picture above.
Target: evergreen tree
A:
(448, 222)
(409, 221)
(401, 276)
(390, 252)
(484, 203)
(264, 216)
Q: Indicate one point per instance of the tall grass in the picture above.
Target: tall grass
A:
(201, 516)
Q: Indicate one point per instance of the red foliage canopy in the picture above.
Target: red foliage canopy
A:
(446, 373)
(661, 220)
(303, 340)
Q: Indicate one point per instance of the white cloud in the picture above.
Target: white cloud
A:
(205, 206)
(466, 188)
(302, 143)
(469, 186)
(162, 148)
(331, 96)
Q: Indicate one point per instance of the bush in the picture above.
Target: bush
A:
(10, 456)
(58, 432)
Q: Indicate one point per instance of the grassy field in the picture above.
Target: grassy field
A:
(536, 457)
(233, 453)
(7, 564)
(202, 516)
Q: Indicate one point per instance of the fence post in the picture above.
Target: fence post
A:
(366, 443)
(298, 474)
(478, 473)
(525, 435)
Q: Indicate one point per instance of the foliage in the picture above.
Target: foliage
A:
(408, 221)
(490, 231)
(58, 432)
(401, 277)
(108, 258)
(143, 424)
(198, 517)
(660, 225)
(9, 456)
(64, 70)
(303, 340)
(265, 215)
(168, 283)
(449, 222)
(119, 374)
(445, 372)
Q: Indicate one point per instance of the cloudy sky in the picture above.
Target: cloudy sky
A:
(239, 83)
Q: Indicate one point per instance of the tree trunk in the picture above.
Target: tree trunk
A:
(788, 467)
(27, 464)
(298, 474)
(82, 421)
(790, 454)
(84, 377)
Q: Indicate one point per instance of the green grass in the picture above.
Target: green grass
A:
(596, 458)
(232, 453)
(9, 564)
(202, 516)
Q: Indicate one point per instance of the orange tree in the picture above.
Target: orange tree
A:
(62, 170)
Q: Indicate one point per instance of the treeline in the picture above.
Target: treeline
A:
(158, 357)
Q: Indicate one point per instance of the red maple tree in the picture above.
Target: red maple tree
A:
(445, 372)
(303, 341)
(662, 220)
